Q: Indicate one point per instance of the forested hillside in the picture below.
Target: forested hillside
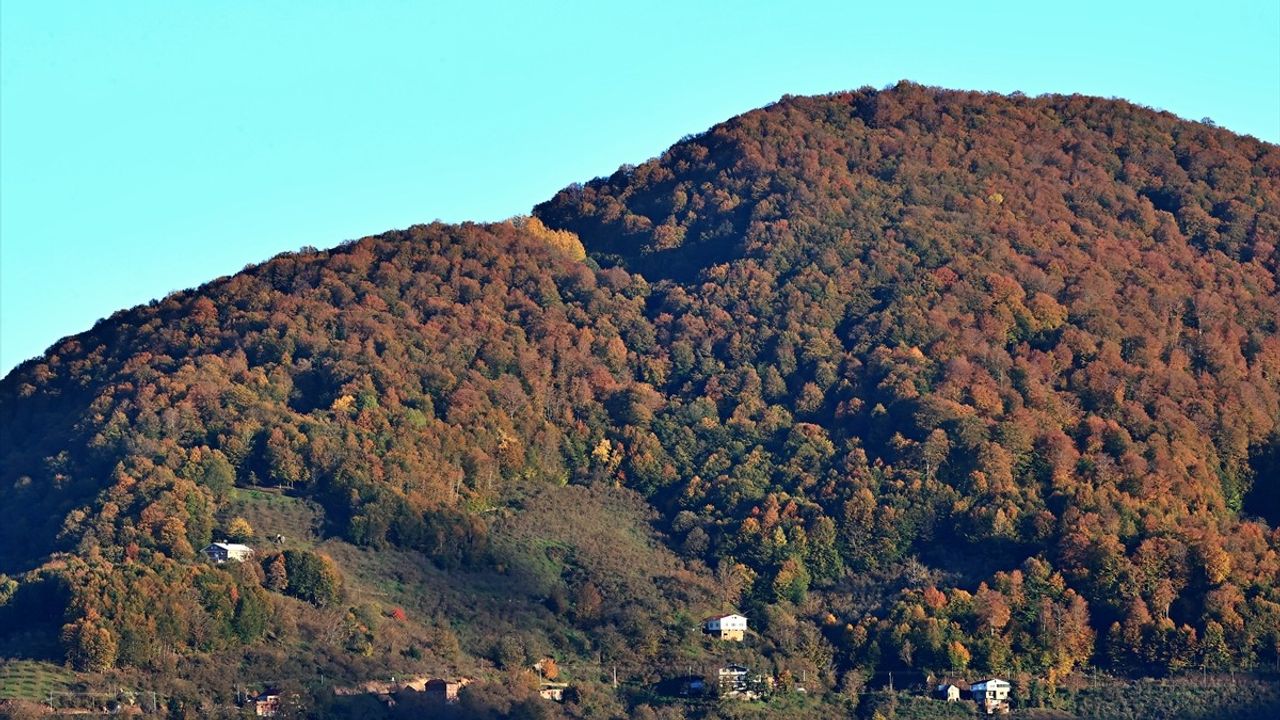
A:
(921, 381)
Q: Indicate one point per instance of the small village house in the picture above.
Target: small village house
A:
(548, 690)
(266, 704)
(726, 627)
(221, 552)
(947, 691)
(733, 676)
(444, 691)
(991, 695)
(734, 681)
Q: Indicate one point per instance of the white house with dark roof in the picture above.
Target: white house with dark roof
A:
(734, 680)
(726, 627)
(991, 695)
(221, 552)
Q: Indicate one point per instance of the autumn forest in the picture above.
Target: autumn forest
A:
(924, 382)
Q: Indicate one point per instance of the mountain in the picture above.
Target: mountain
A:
(920, 381)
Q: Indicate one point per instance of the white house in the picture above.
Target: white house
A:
(221, 552)
(726, 627)
(733, 680)
(948, 691)
(992, 695)
(548, 690)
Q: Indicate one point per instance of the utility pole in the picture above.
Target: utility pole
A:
(615, 676)
(890, 681)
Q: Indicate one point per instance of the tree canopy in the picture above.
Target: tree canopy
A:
(920, 380)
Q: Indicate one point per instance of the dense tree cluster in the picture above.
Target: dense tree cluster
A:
(931, 380)
(974, 330)
(403, 381)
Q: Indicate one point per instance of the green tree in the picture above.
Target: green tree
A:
(312, 577)
(217, 474)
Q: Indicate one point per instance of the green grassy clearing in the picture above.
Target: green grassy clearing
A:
(29, 680)
(271, 513)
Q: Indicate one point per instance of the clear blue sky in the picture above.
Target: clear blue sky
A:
(146, 147)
